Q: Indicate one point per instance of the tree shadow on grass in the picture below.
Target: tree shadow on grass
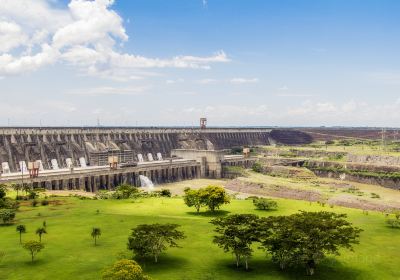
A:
(328, 269)
(165, 262)
(7, 224)
(217, 213)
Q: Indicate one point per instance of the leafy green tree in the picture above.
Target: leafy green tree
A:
(96, 232)
(213, 197)
(125, 270)
(193, 198)
(265, 204)
(236, 234)
(7, 215)
(33, 247)
(40, 231)
(21, 229)
(152, 239)
(307, 237)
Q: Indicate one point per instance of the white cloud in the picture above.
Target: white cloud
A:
(86, 35)
(207, 81)
(104, 91)
(283, 88)
(11, 36)
(243, 81)
(170, 82)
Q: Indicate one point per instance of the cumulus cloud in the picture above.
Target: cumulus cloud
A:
(243, 81)
(86, 35)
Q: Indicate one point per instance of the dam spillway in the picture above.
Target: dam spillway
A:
(65, 147)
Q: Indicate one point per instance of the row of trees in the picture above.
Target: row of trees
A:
(303, 239)
(211, 197)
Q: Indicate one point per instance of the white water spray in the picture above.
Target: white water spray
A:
(146, 182)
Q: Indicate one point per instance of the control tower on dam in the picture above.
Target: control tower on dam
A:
(68, 147)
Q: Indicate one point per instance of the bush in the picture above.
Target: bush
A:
(124, 269)
(375, 195)
(265, 204)
(125, 191)
(32, 194)
(44, 202)
(22, 197)
(394, 223)
(257, 167)
(34, 203)
(103, 194)
(165, 193)
(7, 215)
(329, 142)
(8, 203)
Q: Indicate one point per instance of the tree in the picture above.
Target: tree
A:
(21, 229)
(124, 270)
(151, 239)
(96, 232)
(193, 198)
(40, 231)
(306, 237)
(265, 204)
(236, 234)
(213, 197)
(33, 247)
(7, 215)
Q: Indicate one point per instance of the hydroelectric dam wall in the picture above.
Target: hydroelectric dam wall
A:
(77, 147)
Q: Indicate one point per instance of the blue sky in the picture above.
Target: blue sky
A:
(236, 62)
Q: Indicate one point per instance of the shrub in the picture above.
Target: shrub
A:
(8, 203)
(265, 204)
(257, 167)
(125, 191)
(7, 215)
(125, 269)
(375, 195)
(394, 223)
(34, 203)
(44, 202)
(103, 194)
(165, 193)
(32, 194)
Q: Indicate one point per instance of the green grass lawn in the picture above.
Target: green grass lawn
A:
(70, 252)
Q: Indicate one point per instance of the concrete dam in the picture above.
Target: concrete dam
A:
(58, 148)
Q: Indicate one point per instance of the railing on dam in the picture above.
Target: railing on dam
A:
(102, 130)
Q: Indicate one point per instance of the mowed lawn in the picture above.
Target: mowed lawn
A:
(70, 252)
